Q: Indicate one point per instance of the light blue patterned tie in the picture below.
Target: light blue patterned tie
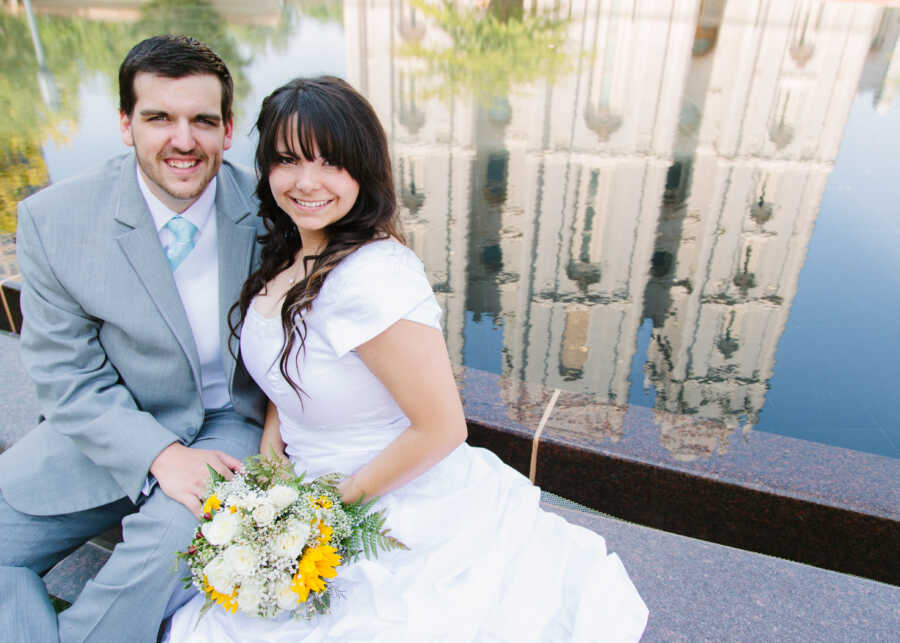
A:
(185, 234)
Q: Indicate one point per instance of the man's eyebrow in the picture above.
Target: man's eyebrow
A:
(207, 117)
(197, 117)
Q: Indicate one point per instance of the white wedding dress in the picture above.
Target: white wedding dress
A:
(485, 563)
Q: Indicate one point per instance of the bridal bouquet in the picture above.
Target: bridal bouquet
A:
(269, 542)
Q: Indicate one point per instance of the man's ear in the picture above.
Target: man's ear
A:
(229, 132)
(125, 129)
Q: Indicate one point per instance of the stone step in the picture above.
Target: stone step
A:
(701, 591)
(68, 577)
(695, 590)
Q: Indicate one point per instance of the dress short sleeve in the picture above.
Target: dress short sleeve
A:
(371, 289)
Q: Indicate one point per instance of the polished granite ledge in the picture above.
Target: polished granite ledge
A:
(10, 311)
(826, 506)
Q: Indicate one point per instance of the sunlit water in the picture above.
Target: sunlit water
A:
(684, 205)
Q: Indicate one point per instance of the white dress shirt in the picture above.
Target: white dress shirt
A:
(197, 280)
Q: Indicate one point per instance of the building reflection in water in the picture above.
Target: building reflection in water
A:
(628, 173)
(674, 174)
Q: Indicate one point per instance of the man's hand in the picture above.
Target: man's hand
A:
(182, 474)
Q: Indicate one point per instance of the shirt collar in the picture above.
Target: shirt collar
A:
(198, 213)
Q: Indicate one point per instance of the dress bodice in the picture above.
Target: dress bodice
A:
(369, 290)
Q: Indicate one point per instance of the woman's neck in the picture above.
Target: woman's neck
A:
(312, 243)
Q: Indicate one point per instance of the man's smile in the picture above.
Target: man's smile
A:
(182, 165)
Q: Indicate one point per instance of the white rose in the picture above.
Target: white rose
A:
(264, 514)
(219, 575)
(285, 597)
(291, 541)
(300, 528)
(248, 502)
(221, 529)
(250, 595)
(241, 559)
(282, 496)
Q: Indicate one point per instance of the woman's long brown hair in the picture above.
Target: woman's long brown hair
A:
(324, 112)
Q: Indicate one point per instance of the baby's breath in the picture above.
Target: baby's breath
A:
(264, 556)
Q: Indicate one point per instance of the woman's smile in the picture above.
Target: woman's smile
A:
(314, 193)
(307, 204)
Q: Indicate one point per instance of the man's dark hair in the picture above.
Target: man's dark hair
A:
(173, 57)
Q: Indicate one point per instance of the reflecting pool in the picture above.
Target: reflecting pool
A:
(686, 205)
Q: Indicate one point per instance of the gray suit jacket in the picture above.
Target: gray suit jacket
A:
(106, 339)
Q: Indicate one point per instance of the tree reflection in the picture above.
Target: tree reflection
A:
(29, 120)
(492, 49)
(200, 20)
(324, 11)
(22, 172)
(76, 49)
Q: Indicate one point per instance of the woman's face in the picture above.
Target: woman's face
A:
(314, 194)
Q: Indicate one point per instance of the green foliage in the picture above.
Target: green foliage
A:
(256, 38)
(214, 476)
(368, 536)
(207, 604)
(31, 116)
(323, 11)
(78, 49)
(262, 471)
(320, 603)
(22, 172)
(59, 604)
(74, 49)
(200, 20)
(492, 51)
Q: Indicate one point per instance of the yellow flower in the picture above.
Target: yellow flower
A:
(299, 588)
(317, 563)
(228, 602)
(211, 503)
(321, 502)
(325, 532)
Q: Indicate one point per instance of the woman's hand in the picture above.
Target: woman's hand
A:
(349, 490)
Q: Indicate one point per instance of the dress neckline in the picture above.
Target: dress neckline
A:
(259, 315)
(388, 243)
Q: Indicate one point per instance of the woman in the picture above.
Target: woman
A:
(340, 328)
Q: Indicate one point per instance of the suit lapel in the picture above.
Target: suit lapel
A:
(140, 243)
(236, 230)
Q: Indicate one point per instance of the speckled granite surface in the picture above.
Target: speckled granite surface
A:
(695, 590)
(810, 502)
(700, 591)
(70, 575)
(17, 399)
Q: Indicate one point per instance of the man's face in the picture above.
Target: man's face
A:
(178, 134)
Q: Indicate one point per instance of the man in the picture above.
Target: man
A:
(129, 271)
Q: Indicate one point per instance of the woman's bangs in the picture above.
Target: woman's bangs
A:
(315, 133)
(277, 138)
(286, 141)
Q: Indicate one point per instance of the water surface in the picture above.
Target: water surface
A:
(686, 205)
